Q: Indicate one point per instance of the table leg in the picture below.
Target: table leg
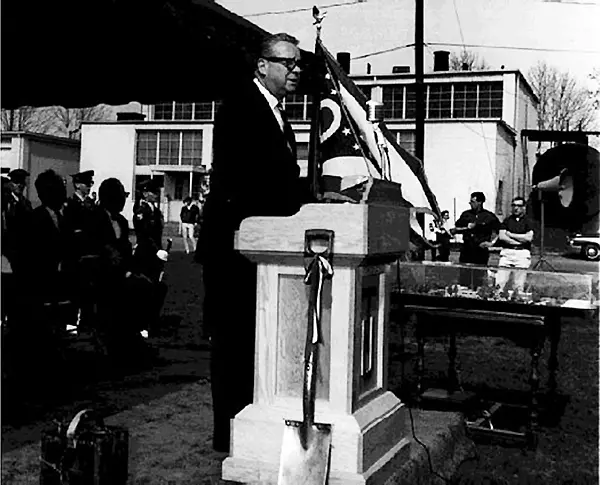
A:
(420, 358)
(553, 323)
(452, 372)
(534, 383)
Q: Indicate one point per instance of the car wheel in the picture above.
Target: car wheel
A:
(591, 252)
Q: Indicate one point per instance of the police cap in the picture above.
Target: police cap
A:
(18, 175)
(86, 177)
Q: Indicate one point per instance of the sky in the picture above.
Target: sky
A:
(515, 33)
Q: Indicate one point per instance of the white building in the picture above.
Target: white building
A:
(35, 153)
(472, 138)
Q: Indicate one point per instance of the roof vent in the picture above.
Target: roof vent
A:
(441, 61)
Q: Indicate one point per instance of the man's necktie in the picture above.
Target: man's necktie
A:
(287, 130)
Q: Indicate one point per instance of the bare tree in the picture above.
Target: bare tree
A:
(467, 61)
(67, 121)
(564, 103)
(25, 118)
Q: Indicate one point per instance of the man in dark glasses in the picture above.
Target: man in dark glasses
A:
(255, 172)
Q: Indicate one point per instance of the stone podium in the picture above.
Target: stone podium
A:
(369, 430)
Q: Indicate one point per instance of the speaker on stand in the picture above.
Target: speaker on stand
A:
(565, 192)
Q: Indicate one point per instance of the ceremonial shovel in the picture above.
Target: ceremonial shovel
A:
(306, 445)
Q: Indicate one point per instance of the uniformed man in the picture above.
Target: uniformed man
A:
(148, 225)
(78, 214)
(79, 205)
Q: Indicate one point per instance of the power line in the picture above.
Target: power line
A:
(450, 44)
(518, 48)
(302, 9)
(462, 37)
(384, 51)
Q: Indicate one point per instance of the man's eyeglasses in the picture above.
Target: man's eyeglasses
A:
(289, 62)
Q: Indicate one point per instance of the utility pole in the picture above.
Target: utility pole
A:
(419, 85)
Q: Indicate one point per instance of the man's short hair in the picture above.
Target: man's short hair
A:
(266, 47)
(445, 213)
(187, 199)
(478, 196)
(50, 187)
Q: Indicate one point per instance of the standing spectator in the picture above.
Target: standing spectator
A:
(189, 218)
(255, 172)
(443, 237)
(479, 228)
(515, 236)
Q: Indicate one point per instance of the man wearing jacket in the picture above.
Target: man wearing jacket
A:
(255, 172)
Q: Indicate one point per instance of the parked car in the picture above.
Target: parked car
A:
(587, 245)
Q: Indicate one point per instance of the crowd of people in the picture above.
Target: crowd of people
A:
(70, 262)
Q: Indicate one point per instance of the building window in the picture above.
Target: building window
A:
(203, 111)
(163, 111)
(465, 101)
(366, 91)
(191, 149)
(146, 147)
(411, 103)
(183, 111)
(298, 107)
(490, 100)
(440, 99)
(173, 147)
(406, 139)
(168, 148)
(393, 102)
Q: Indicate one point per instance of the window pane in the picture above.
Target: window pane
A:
(191, 150)
(440, 100)
(146, 148)
(393, 98)
(490, 100)
(203, 111)
(465, 100)
(406, 139)
(163, 111)
(294, 105)
(168, 148)
(411, 102)
(183, 111)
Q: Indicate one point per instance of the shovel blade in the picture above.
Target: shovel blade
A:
(300, 465)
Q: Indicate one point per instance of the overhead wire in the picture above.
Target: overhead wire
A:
(301, 9)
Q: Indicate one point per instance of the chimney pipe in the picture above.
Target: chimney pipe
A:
(441, 61)
(343, 59)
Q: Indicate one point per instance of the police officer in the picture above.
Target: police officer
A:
(148, 225)
(80, 204)
(80, 265)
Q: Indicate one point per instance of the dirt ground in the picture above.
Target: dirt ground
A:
(170, 401)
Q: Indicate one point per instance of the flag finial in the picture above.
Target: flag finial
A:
(318, 16)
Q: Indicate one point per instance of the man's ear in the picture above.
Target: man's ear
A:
(261, 67)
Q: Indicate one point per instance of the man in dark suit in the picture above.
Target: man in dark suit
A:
(78, 214)
(255, 172)
(148, 225)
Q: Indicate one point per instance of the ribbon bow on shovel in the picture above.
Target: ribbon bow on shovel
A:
(306, 445)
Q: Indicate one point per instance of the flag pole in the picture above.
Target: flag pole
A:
(314, 171)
